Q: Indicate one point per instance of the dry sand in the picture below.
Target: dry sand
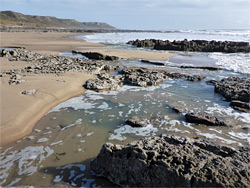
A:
(19, 113)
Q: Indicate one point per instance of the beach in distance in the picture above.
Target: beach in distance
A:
(86, 104)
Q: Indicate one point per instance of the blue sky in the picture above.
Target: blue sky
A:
(143, 14)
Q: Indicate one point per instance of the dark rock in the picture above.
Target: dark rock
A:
(195, 78)
(204, 118)
(153, 63)
(234, 88)
(241, 106)
(98, 56)
(173, 161)
(194, 45)
(206, 68)
(136, 121)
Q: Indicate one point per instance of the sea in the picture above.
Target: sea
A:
(69, 136)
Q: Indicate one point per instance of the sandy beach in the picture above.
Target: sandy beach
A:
(20, 113)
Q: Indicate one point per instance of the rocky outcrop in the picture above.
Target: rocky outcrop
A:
(16, 79)
(29, 92)
(97, 56)
(204, 118)
(194, 45)
(51, 64)
(235, 89)
(142, 77)
(104, 82)
(173, 161)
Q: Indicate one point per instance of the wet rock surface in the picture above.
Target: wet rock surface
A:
(173, 161)
(153, 62)
(194, 45)
(241, 106)
(235, 89)
(204, 118)
(195, 78)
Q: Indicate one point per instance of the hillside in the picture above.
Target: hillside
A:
(10, 18)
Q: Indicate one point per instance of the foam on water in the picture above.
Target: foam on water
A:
(27, 161)
(233, 62)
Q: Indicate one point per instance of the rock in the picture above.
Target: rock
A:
(98, 56)
(29, 92)
(204, 118)
(241, 106)
(153, 63)
(104, 82)
(142, 77)
(194, 45)
(195, 78)
(173, 161)
(205, 68)
(136, 121)
(234, 88)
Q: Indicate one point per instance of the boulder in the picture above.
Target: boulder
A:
(204, 118)
(173, 161)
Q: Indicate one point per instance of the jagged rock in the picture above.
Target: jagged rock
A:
(173, 161)
(16, 79)
(98, 56)
(142, 77)
(29, 92)
(136, 121)
(104, 82)
(234, 88)
(241, 106)
(195, 78)
(204, 118)
(194, 45)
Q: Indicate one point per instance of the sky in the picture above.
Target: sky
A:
(143, 14)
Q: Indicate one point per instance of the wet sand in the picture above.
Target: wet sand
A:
(131, 54)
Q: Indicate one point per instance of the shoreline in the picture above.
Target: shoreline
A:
(20, 113)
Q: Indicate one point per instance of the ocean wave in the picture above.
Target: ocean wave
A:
(234, 62)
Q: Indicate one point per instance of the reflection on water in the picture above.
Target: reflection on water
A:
(64, 141)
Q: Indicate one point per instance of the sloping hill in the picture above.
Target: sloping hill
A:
(15, 18)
